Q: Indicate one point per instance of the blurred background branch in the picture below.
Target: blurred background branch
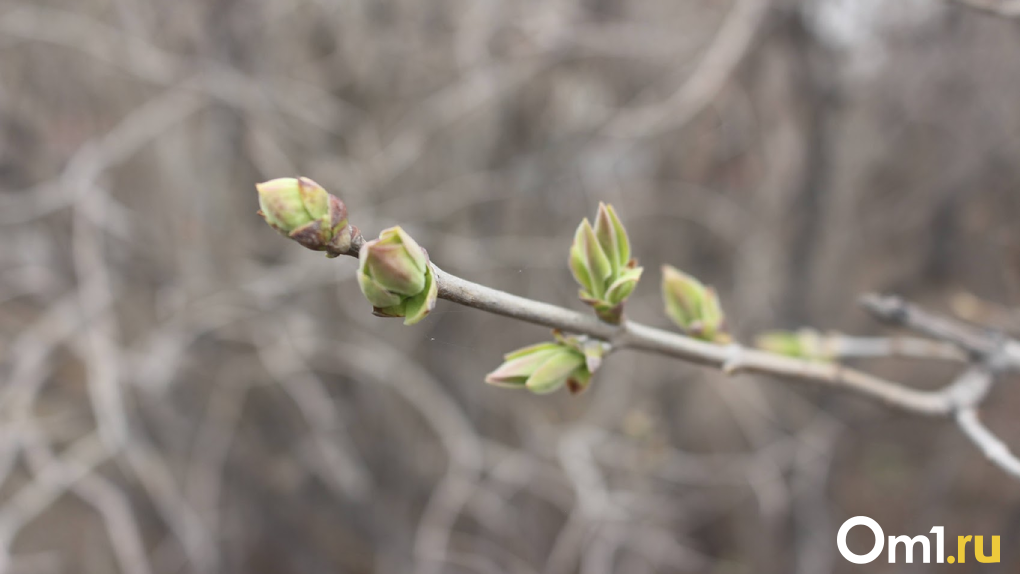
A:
(1007, 8)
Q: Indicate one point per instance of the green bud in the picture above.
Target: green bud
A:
(396, 277)
(612, 237)
(305, 212)
(803, 343)
(692, 306)
(554, 371)
(546, 367)
(601, 264)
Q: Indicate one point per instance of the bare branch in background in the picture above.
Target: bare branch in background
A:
(991, 446)
(983, 344)
(1007, 8)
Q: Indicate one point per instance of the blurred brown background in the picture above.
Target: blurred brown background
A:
(183, 390)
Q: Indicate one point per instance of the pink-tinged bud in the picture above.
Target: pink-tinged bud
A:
(692, 306)
(554, 372)
(612, 237)
(601, 264)
(546, 367)
(597, 266)
(305, 212)
(396, 277)
(520, 364)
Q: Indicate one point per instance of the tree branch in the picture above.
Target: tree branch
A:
(990, 353)
(1006, 8)
(731, 359)
(983, 345)
(991, 446)
(847, 347)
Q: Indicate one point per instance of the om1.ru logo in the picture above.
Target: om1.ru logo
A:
(908, 544)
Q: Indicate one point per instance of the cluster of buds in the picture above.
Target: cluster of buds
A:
(305, 212)
(600, 262)
(396, 276)
(693, 306)
(546, 367)
(803, 344)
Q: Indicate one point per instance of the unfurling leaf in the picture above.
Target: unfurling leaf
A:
(546, 367)
(601, 264)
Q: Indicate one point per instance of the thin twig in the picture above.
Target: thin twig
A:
(991, 446)
(1006, 8)
(847, 347)
(991, 352)
(731, 359)
(979, 343)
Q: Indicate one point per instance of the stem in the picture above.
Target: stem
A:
(846, 347)
(989, 352)
(731, 359)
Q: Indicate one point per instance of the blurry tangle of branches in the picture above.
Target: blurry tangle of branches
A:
(103, 466)
(156, 470)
